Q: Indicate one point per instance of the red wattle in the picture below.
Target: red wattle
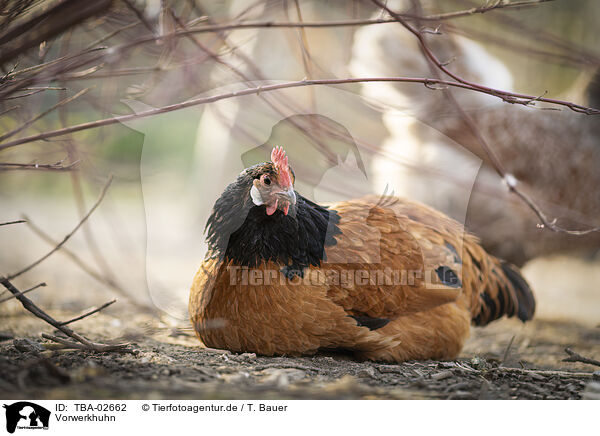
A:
(272, 208)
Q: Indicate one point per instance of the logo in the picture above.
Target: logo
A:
(26, 415)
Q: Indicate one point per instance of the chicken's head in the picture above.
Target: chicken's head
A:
(273, 184)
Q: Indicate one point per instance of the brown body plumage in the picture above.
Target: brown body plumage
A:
(397, 281)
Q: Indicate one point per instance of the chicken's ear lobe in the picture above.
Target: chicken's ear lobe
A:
(256, 197)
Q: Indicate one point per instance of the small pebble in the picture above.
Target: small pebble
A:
(247, 356)
(368, 372)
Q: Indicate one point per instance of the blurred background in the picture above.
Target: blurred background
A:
(67, 63)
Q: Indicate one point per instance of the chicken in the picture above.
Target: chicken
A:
(384, 278)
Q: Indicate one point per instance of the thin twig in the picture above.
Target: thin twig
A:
(46, 112)
(574, 55)
(306, 57)
(542, 372)
(33, 288)
(58, 166)
(120, 348)
(576, 357)
(34, 309)
(45, 88)
(140, 16)
(500, 4)
(87, 75)
(110, 35)
(9, 110)
(27, 94)
(12, 222)
(40, 67)
(91, 312)
(55, 71)
(361, 22)
(542, 35)
(67, 237)
(507, 351)
(65, 342)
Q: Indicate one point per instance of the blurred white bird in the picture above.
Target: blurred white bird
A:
(554, 155)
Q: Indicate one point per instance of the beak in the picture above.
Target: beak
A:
(286, 197)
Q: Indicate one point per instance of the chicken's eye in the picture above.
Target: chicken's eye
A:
(267, 180)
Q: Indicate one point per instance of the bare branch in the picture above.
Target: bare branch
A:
(546, 221)
(58, 166)
(91, 312)
(9, 110)
(119, 348)
(523, 99)
(67, 237)
(12, 222)
(507, 351)
(574, 55)
(41, 67)
(542, 372)
(46, 112)
(65, 342)
(499, 4)
(110, 35)
(576, 357)
(44, 24)
(34, 309)
(33, 288)
(52, 71)
(28, 94)
(140, 16)
(542, 35)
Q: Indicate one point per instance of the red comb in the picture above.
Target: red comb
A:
(280, 160)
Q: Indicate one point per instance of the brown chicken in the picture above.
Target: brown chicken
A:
(385, 278)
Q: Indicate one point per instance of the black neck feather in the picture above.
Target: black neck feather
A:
(240, 231)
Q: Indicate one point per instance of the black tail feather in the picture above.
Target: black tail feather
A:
(507, 294)
(525, 299)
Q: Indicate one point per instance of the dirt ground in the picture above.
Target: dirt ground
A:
(169, 362)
